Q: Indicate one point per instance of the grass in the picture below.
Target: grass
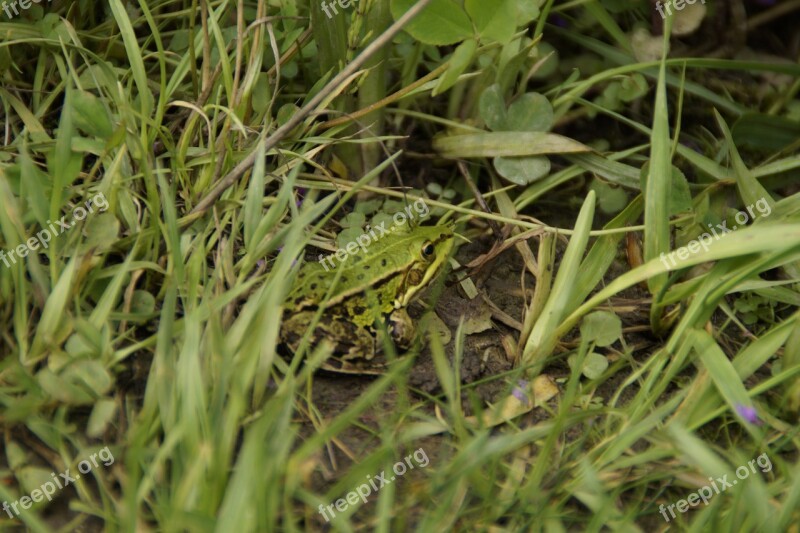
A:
(589, 383)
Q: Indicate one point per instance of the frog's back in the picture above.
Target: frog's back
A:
(357, 274)
(371, 275)
(310, 285)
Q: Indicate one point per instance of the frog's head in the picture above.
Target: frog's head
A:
(429, 248)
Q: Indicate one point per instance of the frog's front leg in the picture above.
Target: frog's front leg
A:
(401, 328)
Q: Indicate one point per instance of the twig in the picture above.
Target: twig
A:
(498, 234)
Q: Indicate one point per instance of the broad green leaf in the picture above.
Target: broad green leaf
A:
(346, 236)
(522, 170)
(593, 367)
(90, 115)
(526, 10)
(63, 390)
(680, 198)
(496, 20)
(102, 415)
(492, 108)
(610, 199)
(530, 112)
(442, 22)
(89, 374)
(633, 87)
(609, 99)
(33, 477)
(646, 47)
(143, 303)
(686, 21)
(356, 219)
(506, 144)
(102, 231)
(601, 327)
(76, 346)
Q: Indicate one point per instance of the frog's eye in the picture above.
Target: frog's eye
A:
(428, 250)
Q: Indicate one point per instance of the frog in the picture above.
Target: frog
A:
(363, 290)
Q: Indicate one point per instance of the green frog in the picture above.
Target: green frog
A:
(371, 286)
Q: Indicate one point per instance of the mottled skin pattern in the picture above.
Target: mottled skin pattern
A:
(371, 286)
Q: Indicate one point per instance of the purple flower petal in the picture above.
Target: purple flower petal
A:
(748, 413)
(519, 393)
(301, 193)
